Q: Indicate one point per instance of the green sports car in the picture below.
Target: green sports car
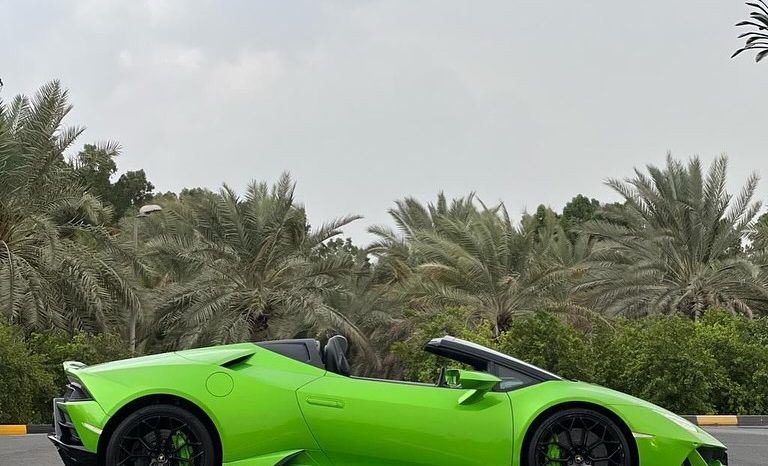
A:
(290, 403)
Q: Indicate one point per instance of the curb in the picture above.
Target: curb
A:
(21, 429)
(729, 421)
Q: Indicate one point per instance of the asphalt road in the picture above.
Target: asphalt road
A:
(747, 447)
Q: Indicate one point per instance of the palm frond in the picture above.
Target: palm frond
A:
(755, 40)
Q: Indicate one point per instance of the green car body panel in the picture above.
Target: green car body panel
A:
(269, 409)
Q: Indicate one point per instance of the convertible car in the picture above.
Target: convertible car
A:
(288, 402)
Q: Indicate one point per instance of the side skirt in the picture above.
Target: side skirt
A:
(283, 458)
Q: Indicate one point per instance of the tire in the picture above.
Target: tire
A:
(578, 437)
(160, 435)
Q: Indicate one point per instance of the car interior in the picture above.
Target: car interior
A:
(335, 355)
(333, 358)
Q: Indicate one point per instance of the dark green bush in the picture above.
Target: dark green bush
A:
(716, 365)
(658, 359)
(23, 379)
(547, 342)
(418, 365)
(31, 373)
(55, 348)
(757, 331)
(540, 339)
(740, 385)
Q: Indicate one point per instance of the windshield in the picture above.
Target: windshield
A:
(493, 354)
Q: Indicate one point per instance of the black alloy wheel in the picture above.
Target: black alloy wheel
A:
(160, 435)
(578, 437)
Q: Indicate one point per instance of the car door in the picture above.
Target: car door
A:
(372, 422)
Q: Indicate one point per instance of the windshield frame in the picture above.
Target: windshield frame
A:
(482, 358)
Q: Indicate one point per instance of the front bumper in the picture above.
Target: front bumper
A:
(665, 439)
(73, 455)
(66, 439)
(707, 456)
(663, 451)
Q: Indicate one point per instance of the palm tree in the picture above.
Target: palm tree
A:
(674, 246)
(245, 267)
(363, 300)
(478, 258)
(757, 39)
(393, 247)
(59, 266)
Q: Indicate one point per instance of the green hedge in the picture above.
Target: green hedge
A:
(31, 373)
(718, 365)
(24, 380)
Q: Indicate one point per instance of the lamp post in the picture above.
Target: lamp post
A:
(144, 211)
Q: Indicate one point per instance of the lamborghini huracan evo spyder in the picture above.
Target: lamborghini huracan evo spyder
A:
(289, 403)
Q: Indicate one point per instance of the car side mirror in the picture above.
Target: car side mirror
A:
(476, 384)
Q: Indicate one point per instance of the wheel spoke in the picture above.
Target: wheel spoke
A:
(160, 441)
(580, 440)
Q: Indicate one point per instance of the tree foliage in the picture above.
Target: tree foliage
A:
(30, 368)
(577, 211)
(59, 265)
(246, 270)
(23, 378)
(757, 38)
(130, 190)
(475, 256)
(95, 166)
(675, 245)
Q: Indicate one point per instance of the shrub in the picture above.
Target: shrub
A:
(716, 365)
(417, 364)
(540, 339)
(31, 373)
(23, 379)
(53, 348)
(740, 386)
(658, 359)
(88, 348)
(547, 342)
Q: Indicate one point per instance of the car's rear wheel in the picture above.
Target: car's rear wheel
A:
(160, 435)
(578, 437)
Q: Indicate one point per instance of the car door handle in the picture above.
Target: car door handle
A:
(326, 402)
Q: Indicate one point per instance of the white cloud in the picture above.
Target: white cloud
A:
(164, 59)
(187, 58)
(249, 72)
(313, 56)
(125, 59)
(97, 12)
(162, 11)
(109, 15)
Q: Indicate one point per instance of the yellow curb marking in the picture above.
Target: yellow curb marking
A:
(717, 420)
(13, 430)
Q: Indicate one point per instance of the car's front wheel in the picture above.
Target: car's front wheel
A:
(160, 435)
(578, 437)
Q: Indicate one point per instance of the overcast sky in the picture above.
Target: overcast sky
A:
(365, 102)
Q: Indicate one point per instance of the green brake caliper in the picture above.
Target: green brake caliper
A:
(553, 452)
(183, 449)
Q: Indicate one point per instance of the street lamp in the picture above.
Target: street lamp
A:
(144, 211)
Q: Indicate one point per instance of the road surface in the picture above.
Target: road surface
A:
(747, 447)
